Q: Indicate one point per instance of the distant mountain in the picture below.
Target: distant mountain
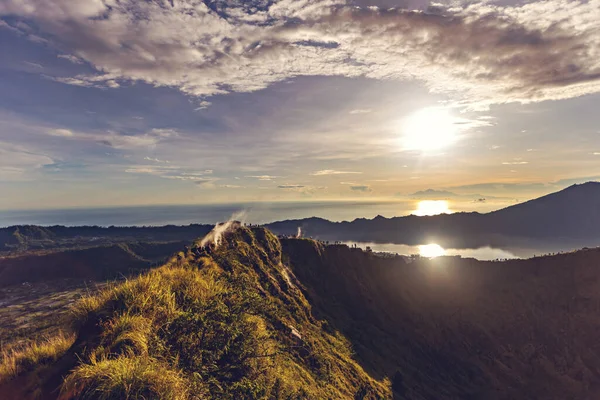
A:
(571, 216)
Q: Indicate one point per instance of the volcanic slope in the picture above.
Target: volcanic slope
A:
(226, 323)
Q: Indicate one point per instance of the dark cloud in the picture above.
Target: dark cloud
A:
(361, 188)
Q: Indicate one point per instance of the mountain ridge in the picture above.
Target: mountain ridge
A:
(224, 319)
(570, 216)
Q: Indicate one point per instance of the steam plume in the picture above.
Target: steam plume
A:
(216, 234)
(299, 233)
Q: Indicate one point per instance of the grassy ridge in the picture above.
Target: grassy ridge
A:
(231, 324)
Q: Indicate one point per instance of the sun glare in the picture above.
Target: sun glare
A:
(432, 207)
(429, 129)
(431, 250)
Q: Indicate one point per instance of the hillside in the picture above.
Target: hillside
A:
(273, 318)
(224, 323)
(452, 328)
(94, 263)
(570, 218)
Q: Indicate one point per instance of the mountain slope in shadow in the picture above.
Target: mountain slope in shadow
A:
(452, 328)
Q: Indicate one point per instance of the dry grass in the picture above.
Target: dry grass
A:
(216, 326)
(124, 378)
(27, 357)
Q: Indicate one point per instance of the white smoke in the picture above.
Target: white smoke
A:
(299, 233)
(216, 234)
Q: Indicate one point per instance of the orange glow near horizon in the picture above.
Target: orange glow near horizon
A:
(432, 207)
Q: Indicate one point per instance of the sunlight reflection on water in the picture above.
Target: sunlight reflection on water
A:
(434, 250)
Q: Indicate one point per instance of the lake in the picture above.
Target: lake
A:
(433, 250)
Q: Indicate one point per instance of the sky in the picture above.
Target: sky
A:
(113, 103)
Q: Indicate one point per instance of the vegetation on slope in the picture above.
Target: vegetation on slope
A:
(229, 323)
(452, 328)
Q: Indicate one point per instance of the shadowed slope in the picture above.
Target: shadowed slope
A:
(452, 328)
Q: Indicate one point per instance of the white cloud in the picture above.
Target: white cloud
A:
(482, 53)
(16, 162)
(33, 64)
(60, 132)
(115, 139)
(361, 111)
(157, 160)
(515, 162)
(175, 173)
(333, 172)
(71, 58)
(263, 177)
(203, 105)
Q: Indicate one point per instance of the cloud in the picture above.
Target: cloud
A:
(361, 111)
(157, 160)
(291, 186)
(432, 193)
(596, 153)
(115, 139)
(302, 189)
(263, 177)
(333, 172)
(361, 188)
(18, 162)
(71, 58)
(480, 53)
(175, 173)
(60, 132)
(515, 162)
(34, 65)
(207, 183)
(203, 105)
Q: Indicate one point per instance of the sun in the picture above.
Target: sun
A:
(429, 129)
(432, 207)
(431, 250)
